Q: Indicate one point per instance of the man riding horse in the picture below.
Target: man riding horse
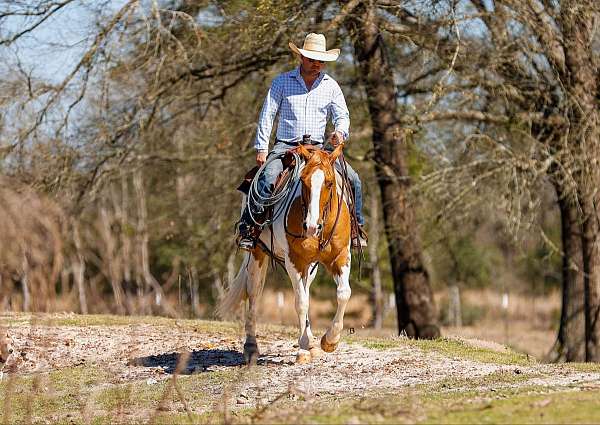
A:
(304, 98)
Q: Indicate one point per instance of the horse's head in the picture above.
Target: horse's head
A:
(318, 186)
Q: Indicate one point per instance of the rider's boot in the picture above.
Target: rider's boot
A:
(249, 229)
(246, 239)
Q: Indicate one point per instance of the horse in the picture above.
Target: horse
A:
(315, 230)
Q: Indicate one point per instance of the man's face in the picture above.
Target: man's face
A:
(311, 66)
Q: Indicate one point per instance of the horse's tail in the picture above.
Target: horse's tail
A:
(237, 291)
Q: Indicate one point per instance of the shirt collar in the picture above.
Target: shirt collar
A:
(296, 74)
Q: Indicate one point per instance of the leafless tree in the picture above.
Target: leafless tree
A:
(524, 85)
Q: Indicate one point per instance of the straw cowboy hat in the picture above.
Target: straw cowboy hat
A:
(314, 48)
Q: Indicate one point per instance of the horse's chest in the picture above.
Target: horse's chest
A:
(306, 251)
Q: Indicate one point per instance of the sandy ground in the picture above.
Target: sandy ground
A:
(149, 353)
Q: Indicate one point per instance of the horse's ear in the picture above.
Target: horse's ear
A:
(336, 153)
(303, 152)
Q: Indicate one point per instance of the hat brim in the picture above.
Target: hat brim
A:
(327, 56)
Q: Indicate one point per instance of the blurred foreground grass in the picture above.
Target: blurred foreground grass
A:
(91, 393)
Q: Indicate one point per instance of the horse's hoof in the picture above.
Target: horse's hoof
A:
(250, 354)
(315, 353)
(303, 358)
(326, 346)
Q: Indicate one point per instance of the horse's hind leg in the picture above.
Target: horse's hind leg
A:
(257, 269)
(331, 339)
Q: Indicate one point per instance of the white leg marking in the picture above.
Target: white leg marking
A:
(343, 292)
(312, 270)
(301, 297)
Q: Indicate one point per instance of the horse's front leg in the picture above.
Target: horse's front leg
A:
(256, 272)
(301, 295)
(331, 339)
(313, 346)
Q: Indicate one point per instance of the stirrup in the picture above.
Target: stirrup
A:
(246, 239)
(246, 243)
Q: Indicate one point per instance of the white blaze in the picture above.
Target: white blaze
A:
(312, 217)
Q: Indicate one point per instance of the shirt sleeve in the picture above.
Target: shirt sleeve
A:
(267, 116)
(339, 112)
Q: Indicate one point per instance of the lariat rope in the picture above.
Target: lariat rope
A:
(255, 201)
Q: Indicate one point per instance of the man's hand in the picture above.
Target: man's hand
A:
(336, 138)
(261, 157)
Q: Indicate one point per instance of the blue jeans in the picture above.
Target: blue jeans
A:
(266, 183)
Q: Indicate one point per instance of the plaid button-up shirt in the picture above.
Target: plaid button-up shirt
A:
(301, 111)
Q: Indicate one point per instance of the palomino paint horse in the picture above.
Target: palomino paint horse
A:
(316, 233)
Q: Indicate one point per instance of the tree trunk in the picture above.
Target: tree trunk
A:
(111, 261)
(414, 298)
(571, 331)
(582, 81)
(376, 291)
(150, 282)
(125, 233)
(79, 270)
(591, 279)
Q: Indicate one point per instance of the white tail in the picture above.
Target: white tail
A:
(237, 291)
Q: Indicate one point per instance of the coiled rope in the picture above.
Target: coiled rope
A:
(256, 202)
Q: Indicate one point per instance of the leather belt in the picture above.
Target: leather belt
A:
(290, 143)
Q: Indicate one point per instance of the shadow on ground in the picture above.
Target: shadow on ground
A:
(199, 361)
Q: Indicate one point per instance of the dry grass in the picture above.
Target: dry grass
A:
(75, 369)
(529, 324)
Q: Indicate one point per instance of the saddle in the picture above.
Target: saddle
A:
(288, 163)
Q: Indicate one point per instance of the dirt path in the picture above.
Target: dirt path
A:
(148, 352)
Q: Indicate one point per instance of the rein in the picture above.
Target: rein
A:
(323, 245)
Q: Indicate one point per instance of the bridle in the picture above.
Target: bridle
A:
(323, 213)
(323, 243)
